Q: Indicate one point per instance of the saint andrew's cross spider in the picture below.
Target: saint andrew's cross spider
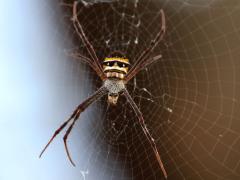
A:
(115, 74)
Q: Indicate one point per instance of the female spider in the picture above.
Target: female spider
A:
(115, 74)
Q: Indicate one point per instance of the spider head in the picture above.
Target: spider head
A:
(116, 67)
(112, 99)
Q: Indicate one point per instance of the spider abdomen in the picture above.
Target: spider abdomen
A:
(115, 75)
(115, 67)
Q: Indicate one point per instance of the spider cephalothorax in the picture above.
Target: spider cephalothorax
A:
(115, 74)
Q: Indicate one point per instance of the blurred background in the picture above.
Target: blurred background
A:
(38, 91)
(190, 99)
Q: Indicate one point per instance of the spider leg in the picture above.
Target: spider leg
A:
(145, 54)
(145, 130)
(75, 115)
(79, 56)
(90, 49)
(143, 65)
(151, 61)
(55, 134)
(66, 136)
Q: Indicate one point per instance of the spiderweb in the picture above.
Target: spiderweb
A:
(189, 98)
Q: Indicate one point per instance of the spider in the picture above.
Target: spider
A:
(115, 74)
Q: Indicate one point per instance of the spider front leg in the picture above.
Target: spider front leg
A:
(74, 117)
(145, 130)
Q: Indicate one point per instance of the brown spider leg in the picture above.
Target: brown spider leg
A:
(57, 132)
(75, 115)
(143, 65)
(155, 42)
(85, 59)
(145, 54)
(66, 136)
(90, 49)
(145, 130)
(151, 61)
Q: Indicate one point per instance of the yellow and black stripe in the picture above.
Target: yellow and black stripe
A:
(115, 67)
